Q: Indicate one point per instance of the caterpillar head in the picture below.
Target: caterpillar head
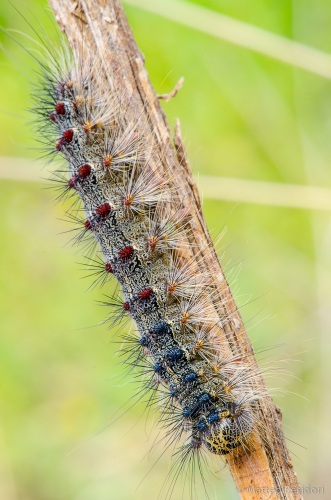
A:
(227, 429)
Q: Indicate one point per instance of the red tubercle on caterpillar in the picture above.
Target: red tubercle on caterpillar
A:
(126, 306)
(60, 108)
(52, 117)
(59, 144)
(84, 171)
(145, 294)
(67, 135)
(103, 210)
(88, 225)
(126, 252)
(72, 182)
(108, 267)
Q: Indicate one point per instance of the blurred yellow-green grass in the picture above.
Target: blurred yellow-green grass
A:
(66, 431)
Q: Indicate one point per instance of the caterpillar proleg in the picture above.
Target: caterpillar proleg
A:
(189, 345)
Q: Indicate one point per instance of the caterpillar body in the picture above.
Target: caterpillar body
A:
(206, 396)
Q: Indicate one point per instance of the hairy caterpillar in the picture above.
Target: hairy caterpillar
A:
(130, 212)
(141, 224)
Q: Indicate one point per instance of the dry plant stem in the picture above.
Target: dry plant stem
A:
(266, 471)
(173, 93)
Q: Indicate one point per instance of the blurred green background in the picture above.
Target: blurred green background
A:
(244, 116)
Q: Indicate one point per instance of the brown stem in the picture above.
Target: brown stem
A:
(174, 92)
(100, 26)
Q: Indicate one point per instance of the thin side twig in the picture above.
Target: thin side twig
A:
(173, 93)
(266, 470)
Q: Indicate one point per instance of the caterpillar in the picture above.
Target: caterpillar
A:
(130, 217)
(206, 396)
